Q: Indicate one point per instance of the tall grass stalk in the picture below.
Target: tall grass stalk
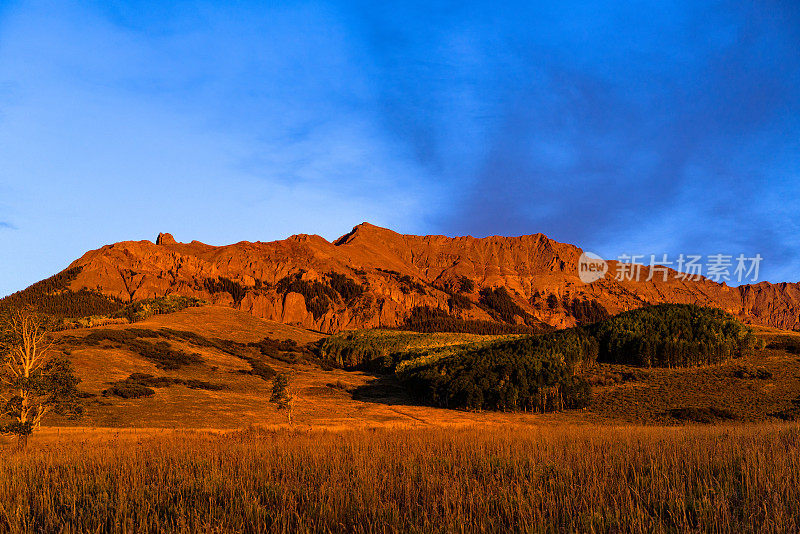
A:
(541, 479)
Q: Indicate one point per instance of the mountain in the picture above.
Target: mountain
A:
(374, 277)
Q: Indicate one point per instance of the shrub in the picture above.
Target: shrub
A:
(143, 309)
(159, 352)
(790, 345)
(225, 285)
(465, 285)
(702, 415)
(129, 390)
(750, 372)
(162, 355)
(140, 385)
(261, 369)
(284, 350)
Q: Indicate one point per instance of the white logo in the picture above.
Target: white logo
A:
(591, 267)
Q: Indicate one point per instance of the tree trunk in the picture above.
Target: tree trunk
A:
(22, 441)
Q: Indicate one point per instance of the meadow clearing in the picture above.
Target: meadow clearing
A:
(567, 478)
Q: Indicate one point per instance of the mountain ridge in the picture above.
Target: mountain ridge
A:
(388, 275)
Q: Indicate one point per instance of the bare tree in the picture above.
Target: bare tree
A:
(33, 381)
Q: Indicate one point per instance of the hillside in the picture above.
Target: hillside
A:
(373, 277)
(211, 367)
(214, 369)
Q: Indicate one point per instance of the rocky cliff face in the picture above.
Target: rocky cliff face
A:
(374, 277)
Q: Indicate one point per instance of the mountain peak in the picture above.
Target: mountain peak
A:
(364, 230)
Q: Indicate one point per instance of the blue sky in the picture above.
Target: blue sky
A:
(650, 127)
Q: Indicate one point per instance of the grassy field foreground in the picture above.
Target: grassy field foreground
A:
(530, 479)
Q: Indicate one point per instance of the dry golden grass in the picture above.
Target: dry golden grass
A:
(482, 479)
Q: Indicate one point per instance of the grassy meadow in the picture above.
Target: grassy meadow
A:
(587, 478)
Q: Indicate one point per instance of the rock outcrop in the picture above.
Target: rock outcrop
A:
(165, 239)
